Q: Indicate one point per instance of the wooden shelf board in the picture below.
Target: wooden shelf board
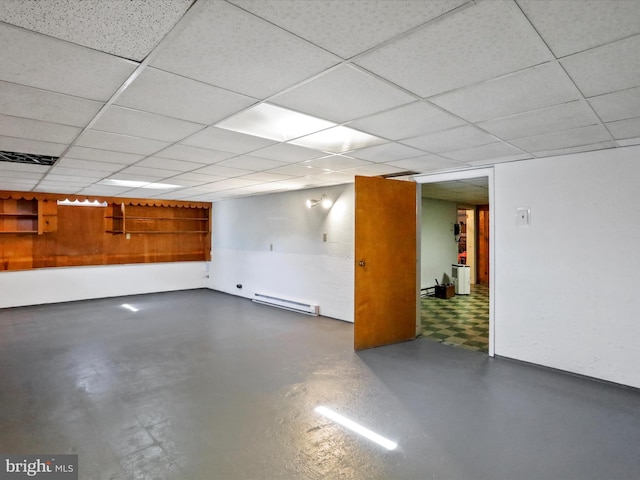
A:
(29, 215)
(165, 218)
(166, 232)
(18, 231)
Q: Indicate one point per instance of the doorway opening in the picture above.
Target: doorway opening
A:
(455, 292)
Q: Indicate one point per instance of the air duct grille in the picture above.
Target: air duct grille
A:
(28, 158)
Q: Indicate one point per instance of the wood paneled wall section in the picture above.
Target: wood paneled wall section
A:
(482, 273)
(79, 236)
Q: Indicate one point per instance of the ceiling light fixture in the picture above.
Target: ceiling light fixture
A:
(324, 201)
(338, 140)
(275, 123)
(137, 184)
(356, 427)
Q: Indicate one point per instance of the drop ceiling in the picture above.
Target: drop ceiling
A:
(152, 92)
(472, 191)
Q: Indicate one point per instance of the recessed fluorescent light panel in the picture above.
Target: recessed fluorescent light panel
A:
(356, 427)
(338, 140)
(136, 184)
(274, 123)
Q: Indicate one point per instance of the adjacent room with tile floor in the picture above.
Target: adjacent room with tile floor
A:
(461, 321)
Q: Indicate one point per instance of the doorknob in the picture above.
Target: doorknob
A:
(361, 263)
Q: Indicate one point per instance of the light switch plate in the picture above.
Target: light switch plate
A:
(523, 216)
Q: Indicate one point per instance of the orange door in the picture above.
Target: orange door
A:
(386, 289)
(482, 274)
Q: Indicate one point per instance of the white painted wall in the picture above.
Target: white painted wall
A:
(439, 249)
(566, 290)
(64, 284)
(301, 266)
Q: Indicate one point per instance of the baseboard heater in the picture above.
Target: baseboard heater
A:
(287, 304)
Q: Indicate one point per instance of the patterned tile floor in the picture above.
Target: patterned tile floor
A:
(462, 320)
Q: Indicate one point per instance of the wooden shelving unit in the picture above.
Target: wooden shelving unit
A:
(27, 216)
(36, 232)
(181, 221)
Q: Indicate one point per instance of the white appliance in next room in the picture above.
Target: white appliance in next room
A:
(461, 275)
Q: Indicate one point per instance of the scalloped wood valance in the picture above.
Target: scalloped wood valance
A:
(6, 194)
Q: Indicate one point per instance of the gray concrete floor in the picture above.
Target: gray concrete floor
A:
(202, 385)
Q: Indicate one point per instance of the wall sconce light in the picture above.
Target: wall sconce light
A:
(324, 201)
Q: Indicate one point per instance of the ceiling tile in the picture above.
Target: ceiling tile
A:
(493, 161)
(425, 163)
(21, 145)
(348, 27)
(227, 141)
(119, 143)
(37, 104)
(16, 184)
(298, 170)
(230, 183)
(75, 172)
(222, 171)
(36, 130)
(104, 190)
(582, 148)
(373, 170)
(485, 152)
(452, 139)
(266, 177)
(22, 168)
(250, 163)
(606, 69)
(194, 154)
(169, 164)
(199, 178)
(570, 26)
(93, 154)
(410, 120)
(179, 97)
(147, 172)
(21, 176)
(146, 125)
(564, 139)
(54, 187)
(343, 94)
(618, 105)
(285, 152)
(529, 89)
(247, 47)
(37, 61)
(559, 117)
(126, 29)
(483, 41)
(88, 165)
(386, 152)
(336, 162)
(629, 128)
(629, 141)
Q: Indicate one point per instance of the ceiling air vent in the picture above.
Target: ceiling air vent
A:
(28, 158)
(406, 173)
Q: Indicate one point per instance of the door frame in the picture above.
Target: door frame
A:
(464, 175)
